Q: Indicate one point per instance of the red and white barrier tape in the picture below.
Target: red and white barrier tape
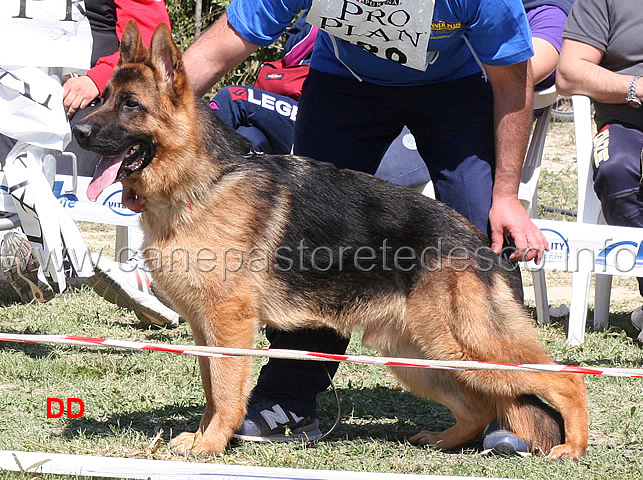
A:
(200, 351)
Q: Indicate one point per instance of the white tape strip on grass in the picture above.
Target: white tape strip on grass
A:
(115, 467)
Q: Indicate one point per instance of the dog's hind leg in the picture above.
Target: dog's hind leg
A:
(516, 342)
(470, 412)
(572, 405)
(487, 324)
(566, 393)
(224, 379)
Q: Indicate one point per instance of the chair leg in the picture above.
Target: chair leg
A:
(128, 239)
(540, 293)
(603, 287)
(578, 308)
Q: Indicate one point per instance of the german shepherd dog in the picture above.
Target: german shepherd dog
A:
(316, 246)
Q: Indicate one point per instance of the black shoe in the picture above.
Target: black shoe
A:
(503, 442)
(267, 421)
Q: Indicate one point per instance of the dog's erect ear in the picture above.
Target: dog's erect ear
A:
(166, 57)
(132, 48)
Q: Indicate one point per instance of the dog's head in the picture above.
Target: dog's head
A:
(144, 102)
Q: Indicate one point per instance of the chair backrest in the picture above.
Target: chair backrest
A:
(528, 189)
(589, 206)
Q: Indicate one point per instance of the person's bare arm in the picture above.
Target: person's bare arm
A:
(579, 72)
(544, 60)
(216, 52)
(513, 99)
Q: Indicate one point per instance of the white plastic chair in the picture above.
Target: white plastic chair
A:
(589, 211)
(528, 190)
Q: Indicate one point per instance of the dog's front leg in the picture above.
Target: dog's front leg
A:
(224, 381)
(225, 408)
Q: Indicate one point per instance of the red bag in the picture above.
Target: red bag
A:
(276, 77)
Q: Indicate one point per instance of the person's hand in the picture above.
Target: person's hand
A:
(508, 218)
(78, 92)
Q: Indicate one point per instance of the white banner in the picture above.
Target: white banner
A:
(31, 108)
(581, 247)
(396, 30)
(45, 33)
(73, 199)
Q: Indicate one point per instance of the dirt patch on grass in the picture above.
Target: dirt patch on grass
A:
(560, 149)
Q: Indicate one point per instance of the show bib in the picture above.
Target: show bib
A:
(396, 30)
(45, 33)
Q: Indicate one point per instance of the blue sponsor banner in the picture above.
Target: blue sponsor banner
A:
(107, 209)
(579, 247)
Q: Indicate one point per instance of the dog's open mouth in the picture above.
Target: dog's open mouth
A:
(111, 169)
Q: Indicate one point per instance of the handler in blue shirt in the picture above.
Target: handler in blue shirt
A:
(466, 97)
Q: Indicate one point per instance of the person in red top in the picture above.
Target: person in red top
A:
(108, 19)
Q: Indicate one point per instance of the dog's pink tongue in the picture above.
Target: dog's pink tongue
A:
(104, 176)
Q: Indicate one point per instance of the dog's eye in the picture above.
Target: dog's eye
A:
(131, 104)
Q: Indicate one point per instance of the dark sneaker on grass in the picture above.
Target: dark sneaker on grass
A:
(500, 441)
(268, 421)
(21, 267)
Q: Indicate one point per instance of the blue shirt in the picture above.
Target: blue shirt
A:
(497, 31)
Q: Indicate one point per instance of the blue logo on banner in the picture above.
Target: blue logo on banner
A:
(601, 259)
(58, 188)
(558, 247)
(67, 200)
(117, 207)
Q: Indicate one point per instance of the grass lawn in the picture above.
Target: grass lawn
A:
(135, 401)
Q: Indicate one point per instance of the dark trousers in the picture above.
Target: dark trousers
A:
(268, 121)
(352, 124)
(617, 157)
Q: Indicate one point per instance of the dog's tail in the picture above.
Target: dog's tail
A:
(526, 414)
(492, 326)
(532, 419)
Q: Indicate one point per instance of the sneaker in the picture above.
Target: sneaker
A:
(267, 421)
(129, 286)
(21, 267)
(637, 321)
(500, 441)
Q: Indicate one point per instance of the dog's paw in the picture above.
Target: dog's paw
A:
(194, 443)
(566, 450)
(184, 443)
(425, 438)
